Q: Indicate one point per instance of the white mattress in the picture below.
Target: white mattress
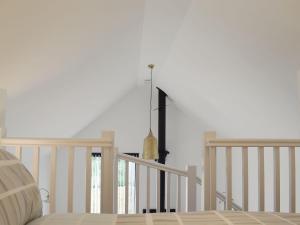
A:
(200, 218)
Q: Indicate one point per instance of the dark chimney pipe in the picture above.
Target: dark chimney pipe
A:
(162, 143)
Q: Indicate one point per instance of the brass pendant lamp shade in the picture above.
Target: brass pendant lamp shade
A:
(150, 142)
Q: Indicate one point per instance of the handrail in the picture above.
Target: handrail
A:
(100, 142)
(222, 142)
(153, 165)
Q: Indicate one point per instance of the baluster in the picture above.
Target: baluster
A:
(126, 186)
(229, 178)
(53, 179)
(245, 178)
(148, 190)
(158, 190)
(116, 181)
(19, 152)
(178, 208)
(137, 188)
(70, 178)
(88, 178)
(168, 191)
(36, 164)
(292, 185)
(213, 177)
(276, 155)
(261, 179)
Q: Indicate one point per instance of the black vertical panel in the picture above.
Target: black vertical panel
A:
(162, 142)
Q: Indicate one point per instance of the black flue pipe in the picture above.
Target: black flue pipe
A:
(162, 152)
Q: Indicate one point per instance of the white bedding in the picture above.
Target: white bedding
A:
(201, 218)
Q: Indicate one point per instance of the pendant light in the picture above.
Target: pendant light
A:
(150, 142)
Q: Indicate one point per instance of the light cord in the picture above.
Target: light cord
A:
(151, 101)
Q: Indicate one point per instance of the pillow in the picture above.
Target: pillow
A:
(20, 200)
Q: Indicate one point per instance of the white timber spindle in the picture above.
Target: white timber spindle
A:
(148, 190)
(292, 185)
(191, 188)
(168, 191)
(158, 190)
(261, 179)
(36, 164)
(178, 203)
(19, 152)
(70, 178)
(116, 185)
(137, 188)
(276, 157)
(126, 185)
(88, 179)
(245, 178)
(2, 112)
(213, 178)
(229, 178)
(52, 193)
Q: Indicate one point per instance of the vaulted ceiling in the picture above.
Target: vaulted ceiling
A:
(231, 63)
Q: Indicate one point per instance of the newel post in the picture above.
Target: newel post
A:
(191, 188)
(2, 112)
(207, 170)
(107, 174)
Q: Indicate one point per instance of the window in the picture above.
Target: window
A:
(96, 184)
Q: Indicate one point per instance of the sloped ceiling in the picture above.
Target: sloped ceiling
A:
(231, 63)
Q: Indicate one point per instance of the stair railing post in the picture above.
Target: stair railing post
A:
(108, 158)
(191, 188)
(206, 173)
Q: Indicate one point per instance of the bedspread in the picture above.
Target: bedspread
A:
(199, 218)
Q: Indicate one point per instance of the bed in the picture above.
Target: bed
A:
(199, 218)
(20, 204)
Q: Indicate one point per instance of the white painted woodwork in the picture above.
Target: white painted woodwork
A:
(18, 152)
(70, 178)
(107, 174)
(178, 200)
(213, 178)
(208, 136)
(137, 188)
(245, 178)
(191, 188)
(3, 96)
(105, 142)
(209, 157)
(101, 142)
(168, 187)
(36, 164)
(116, 172)
(88, 179)
(52, 193)
(229, 178)
(222, 142)
(126, 185)
(261, 179)
(276, 164)
(153, 165)
(292, 184)
(148, 190)
(158, 190)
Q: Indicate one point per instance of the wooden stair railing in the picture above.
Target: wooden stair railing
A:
(212, 144)
(105, 143)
